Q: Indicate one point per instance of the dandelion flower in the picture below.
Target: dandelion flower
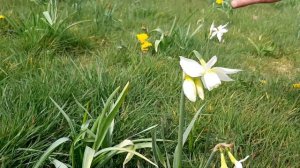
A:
(145, 46)
(2, 17)
(143, 37)
(219, 2)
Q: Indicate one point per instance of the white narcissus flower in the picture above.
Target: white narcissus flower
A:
(211, 77)
(237, 163)
(217, 31)
(191, 81)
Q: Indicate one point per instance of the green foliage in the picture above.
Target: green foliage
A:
(102, 127)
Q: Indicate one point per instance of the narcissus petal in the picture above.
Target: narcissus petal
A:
(211, 80)
(227, 70)
(199, 88)
(191, 67)
(211, 62)
(189, 89)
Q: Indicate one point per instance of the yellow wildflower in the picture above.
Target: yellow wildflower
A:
(296, 85)
(219, 2)
(263, 82)
(143, 37)
(2, 17)
(145, 46)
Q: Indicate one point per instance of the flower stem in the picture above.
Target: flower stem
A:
(180, 129)
(210, 159)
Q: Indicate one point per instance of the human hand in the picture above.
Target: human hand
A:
(242, 3)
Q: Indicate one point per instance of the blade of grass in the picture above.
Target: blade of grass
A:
(71, 125)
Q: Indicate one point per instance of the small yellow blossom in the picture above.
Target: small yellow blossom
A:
(2, 17)
(143, 37)
(263, 82)
(219, 2)
(145, 46)
(296, 85)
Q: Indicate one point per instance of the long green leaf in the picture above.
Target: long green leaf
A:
(196, 30)
(126, 150)
(105, 108)
(191, 125)
(145, 130)
(48, 17)
(186, 134)
(59, 164)
(156, 151)
(173, 26)
(71, 125)
(49, 151)
(105, 157)
(129, 156)
(88, 157)
(103, 128)
(74, 24)
(162, 132)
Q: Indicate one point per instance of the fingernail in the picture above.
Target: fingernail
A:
(234, 3)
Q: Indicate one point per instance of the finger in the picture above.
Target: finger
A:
(242, 3)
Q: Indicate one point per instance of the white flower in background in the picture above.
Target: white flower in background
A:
(237, 164)
(217, 31)
(211, 77)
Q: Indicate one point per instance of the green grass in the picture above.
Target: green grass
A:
(88, 61)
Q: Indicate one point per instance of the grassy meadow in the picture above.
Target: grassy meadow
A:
(92, 49)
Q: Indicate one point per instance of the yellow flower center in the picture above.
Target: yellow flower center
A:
(188, 78)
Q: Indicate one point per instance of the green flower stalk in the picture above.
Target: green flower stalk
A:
(178, 152)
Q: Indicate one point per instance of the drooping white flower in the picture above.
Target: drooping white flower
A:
(237, 163)
(192, 87)
(217, 31)
(191, 83)
(211, 77)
